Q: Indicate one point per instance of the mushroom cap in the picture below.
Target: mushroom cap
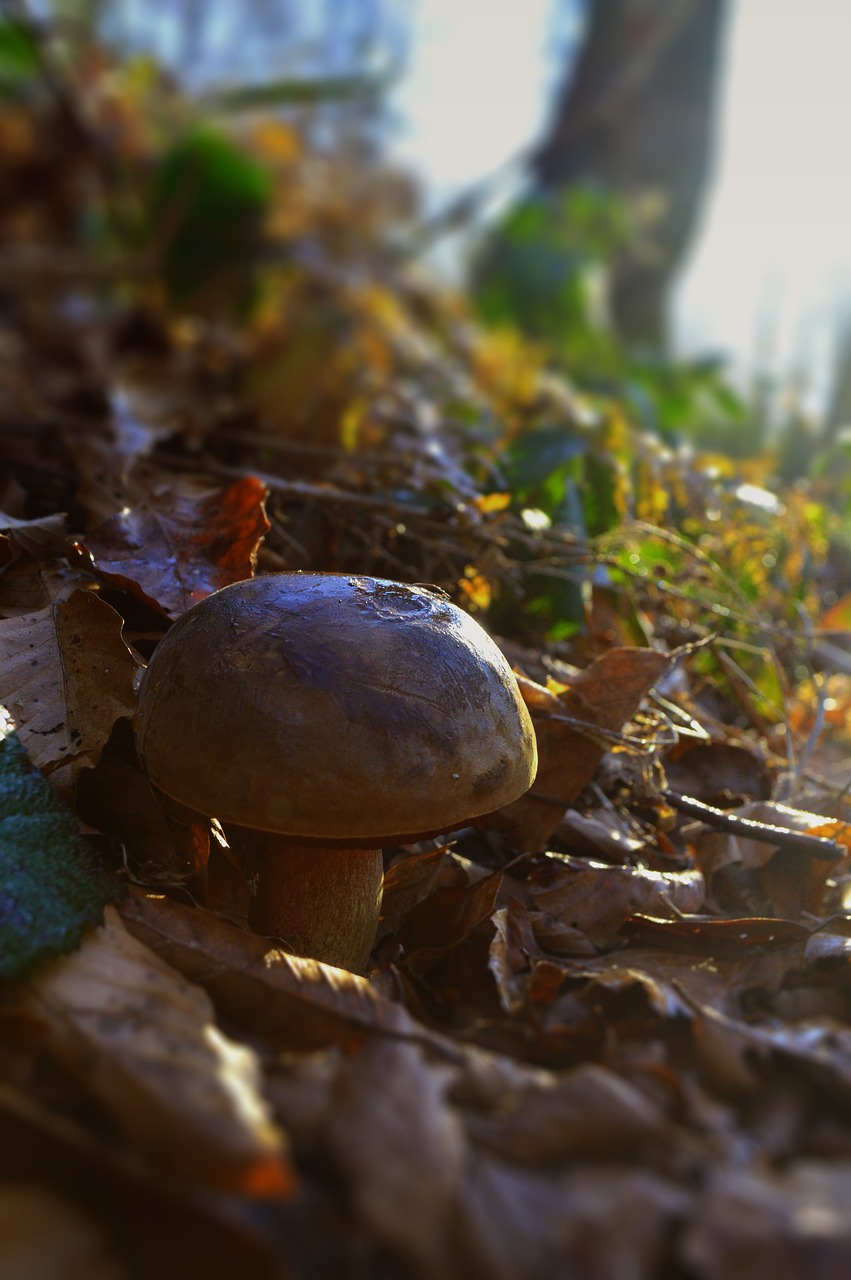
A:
(331, 706)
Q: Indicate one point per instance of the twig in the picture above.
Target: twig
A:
(783, 837)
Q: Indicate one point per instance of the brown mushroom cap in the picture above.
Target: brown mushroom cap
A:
(337, 707)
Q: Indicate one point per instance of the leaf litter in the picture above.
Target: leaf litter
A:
(599, 1036)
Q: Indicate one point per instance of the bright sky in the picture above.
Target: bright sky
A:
(773, 267)
(476, 88)
(774, 258)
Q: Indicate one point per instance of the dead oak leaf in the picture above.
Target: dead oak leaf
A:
(588, 1110)
(66, 676)
(597, 897)
(28, 585)
(159, 1225)
(760, 1224)
(389, 1103)
(177, 540)
(443, 920)
(143, 1042)
(41, 538)
(291, 1001)
(607, 1222)
(573, 729)
(789, 882)
(44, 1235)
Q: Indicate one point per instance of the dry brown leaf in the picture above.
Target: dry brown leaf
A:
(446, 918)
(586, 1111)
(143, 1042)
(674, 985)
(402, 1148)
(709, 936)
(756, 1225)
(786, 880)
(717, 849)
(732, 1050)
(603, 697)
(118, 799)
(509, 954)
(290, 1001)
(177, 539)
(407, 883)
(28, 586)
(713, 771)
(160, 1227)
(43, 1238)
(604, 834)
(66, 677)
(598, 898)
(41, 538)
(609, 1224)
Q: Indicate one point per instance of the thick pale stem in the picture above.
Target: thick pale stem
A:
(323, 903)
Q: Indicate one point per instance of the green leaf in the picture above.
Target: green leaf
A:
(50, 885)
(538, 453)
(599, 494)
(207, 202)
(19, 59)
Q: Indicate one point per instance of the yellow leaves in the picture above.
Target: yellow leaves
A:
(475, 589)
(275, 141)
(490, 503)
(838, 616)
(351, 424)
(508, 367)
(382, 306)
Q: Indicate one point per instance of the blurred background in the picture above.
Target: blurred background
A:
(689, 150)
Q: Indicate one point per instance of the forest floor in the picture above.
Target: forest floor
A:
(603, 1033)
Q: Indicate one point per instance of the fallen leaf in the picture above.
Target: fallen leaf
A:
(585, 1111)
(712, 937)
(290, 1001)
(714, 771)
(571, 730)
(610, 1224)
(158, 1227)
(786, 879)
(27, 585)
(509, 955)
(402, 1148)
(597, 898)
(650, 985)
(445, 919)
(407, 883)
(715, 850)
(731, 1049)
(753, 1224)
(144, 1044)
(603, 834)
(42, 538)
(163, 846)
(41, 1236)
(178, 540)
(67, 676)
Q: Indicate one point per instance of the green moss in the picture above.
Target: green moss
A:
(51, 887)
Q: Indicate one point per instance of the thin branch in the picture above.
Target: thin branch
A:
(783, 837)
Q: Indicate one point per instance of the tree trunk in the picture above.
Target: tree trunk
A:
(636, 115)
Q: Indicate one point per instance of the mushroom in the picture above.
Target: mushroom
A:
(321, 717)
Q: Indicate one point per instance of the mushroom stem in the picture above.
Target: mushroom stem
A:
(322, 903)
